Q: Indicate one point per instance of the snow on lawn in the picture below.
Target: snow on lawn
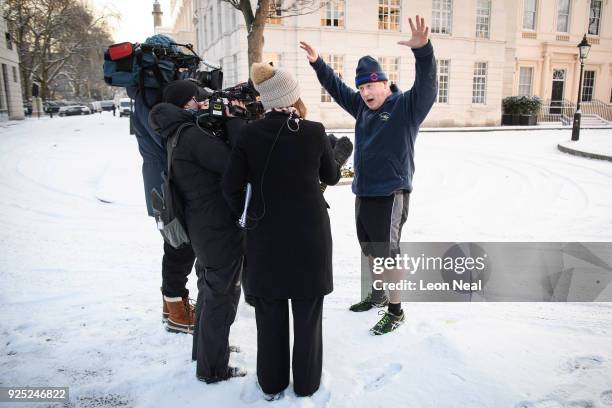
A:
(80, 272)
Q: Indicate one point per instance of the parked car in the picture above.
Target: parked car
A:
(95, 106)
(125, 106)
(74, 110)
(51, 107)
(107, 105)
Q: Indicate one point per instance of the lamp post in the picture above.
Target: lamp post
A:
(583, 48)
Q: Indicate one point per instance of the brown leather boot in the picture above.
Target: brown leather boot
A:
(181, 315)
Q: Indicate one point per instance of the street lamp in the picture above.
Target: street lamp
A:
(584, 48)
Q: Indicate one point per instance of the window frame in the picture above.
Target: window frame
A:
(568, 15)
(591, 87)
(9, 40)
(390, 6)
(476, 84)
(488, 19)
(333, 8)
(442, 82)
(275, 7)
(535, 15)
(437, 20)
(532, 70)
(591, 2)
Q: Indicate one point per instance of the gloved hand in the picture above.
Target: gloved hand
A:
(332, 140)
(342, 150)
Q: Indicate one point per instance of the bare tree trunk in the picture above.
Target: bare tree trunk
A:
(255, 36)
(25, 82)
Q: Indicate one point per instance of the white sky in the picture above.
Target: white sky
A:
(136, 22)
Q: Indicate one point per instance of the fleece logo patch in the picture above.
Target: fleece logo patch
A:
(384, 116)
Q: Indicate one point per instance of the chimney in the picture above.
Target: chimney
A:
(157, 15)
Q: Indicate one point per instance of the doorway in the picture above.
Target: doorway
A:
(558, 88)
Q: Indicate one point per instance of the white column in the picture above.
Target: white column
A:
(546, 77)
(602, 84)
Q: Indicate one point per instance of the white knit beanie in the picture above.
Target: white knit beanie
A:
(277, 87)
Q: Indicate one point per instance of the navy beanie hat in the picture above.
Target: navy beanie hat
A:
(180, 92)
(369, 70)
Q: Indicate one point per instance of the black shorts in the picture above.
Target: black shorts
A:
(379, 223)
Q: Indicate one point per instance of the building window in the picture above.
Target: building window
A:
(479, 86)
(15, 77)
(337, 64)
(390, 66)
(483, 18)
(9, 41)
(595, 17)
(389, 15)
(443, 80)
(442, 17)
(563, 16)
(525, 81)
(588, 83)
(275, 12)
(332, 13)
(272, 57)
(529, 14)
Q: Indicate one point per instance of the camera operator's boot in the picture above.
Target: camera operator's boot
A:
(231, 372)
(165, 312)
(181, 315)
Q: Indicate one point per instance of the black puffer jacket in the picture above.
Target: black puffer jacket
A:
(199, 161)
(289, 249)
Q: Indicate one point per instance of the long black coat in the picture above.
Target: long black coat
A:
(199, 161)
(289, 248)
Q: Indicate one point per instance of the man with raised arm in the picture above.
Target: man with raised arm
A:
(387, 124)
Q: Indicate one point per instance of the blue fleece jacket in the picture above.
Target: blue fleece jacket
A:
(384, 138)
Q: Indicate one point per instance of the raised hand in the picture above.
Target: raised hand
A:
(311, 53)
(419, 33)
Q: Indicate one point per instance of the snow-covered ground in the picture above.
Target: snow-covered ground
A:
(80, 303)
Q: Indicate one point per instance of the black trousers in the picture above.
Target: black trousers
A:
(176, 266)
(218, 297)
(176, 263)
(272, 316)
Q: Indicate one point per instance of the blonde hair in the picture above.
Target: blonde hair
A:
(301, 108)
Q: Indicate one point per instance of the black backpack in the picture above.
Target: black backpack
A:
(168, 207)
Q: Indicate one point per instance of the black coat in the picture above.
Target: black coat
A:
(289, 249)
(198, 164)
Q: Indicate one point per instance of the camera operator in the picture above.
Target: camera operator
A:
(176, 263)
(199, 160)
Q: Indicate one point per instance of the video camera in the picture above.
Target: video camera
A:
(215, 115)
(187, 65)
(220, 102)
